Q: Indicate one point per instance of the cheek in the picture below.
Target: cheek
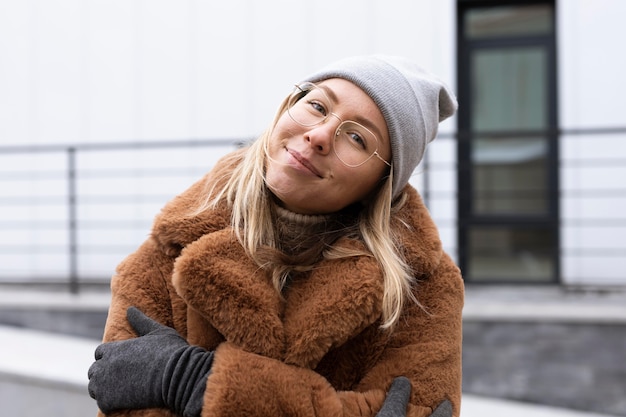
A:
(359, 185)
(278, 138)
(282, 127)
(273, 175)
(274, 143)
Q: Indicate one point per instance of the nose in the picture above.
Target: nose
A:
(322, 136)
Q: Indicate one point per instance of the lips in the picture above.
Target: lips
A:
(304, 162)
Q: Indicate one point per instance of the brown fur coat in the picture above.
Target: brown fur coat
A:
(317, 350)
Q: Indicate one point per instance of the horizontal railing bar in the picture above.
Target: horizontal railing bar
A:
(112, 173)
(113, 146)
(516, 133)
(238, 142)
(87, 172)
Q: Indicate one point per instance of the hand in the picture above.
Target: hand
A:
(444, 409)
(397, 398)
(158, 369)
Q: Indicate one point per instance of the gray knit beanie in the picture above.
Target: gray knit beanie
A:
(411, 100)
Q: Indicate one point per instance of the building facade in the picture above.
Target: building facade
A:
(110, 108)
(526, 183)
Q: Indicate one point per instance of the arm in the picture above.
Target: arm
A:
(248, 383)
(425, 347)
(160, 369)
(140, 281)
(427, 343)
(143, 279)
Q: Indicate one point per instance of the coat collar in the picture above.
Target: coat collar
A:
(314, 314)
(417, 234)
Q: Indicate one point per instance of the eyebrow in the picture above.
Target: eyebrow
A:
(359, 119)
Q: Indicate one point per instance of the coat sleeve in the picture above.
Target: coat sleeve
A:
(241, 383)
(425, 347)
(143, 280)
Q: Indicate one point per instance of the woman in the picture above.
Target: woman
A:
(302, 276)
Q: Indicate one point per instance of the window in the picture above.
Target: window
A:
(507, 147)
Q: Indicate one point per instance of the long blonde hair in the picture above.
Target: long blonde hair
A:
(245, 191)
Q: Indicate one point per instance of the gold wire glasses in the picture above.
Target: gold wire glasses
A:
(354, 144)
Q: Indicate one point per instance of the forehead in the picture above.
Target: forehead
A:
(343, 92)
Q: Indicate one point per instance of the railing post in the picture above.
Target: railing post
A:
(72, 221)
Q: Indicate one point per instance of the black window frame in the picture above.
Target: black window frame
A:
(466, 216)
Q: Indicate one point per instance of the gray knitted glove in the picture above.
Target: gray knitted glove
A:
(397, 398)
(444, 409)
(158, 369)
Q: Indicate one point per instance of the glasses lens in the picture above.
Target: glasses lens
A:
(354, 143)
(308, 105)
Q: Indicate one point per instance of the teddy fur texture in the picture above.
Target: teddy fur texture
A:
(314, 350)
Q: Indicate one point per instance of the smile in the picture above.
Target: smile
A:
(304, 162)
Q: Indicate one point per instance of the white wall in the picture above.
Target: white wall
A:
(592, 87)
(118, 70)
(104, 71)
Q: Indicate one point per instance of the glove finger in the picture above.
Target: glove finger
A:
(91, 390)
(397, 398)
(93, 374)
(99, 353)
(142, 323)
(92, 370)
(401, 390)
(444, 409)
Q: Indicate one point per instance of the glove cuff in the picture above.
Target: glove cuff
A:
(184, 380)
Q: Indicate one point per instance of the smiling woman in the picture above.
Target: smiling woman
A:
(308, 149)
(303, 275)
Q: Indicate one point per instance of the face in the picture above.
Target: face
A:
(305, 173)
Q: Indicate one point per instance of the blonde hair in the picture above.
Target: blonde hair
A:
(245, 191)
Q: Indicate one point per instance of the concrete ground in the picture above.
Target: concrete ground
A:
(45, 374)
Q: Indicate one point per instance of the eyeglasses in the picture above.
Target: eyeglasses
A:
(354, 144)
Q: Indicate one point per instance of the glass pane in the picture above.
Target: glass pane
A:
(509, 254)
(508, 21)
(509, 174)
(509, 89)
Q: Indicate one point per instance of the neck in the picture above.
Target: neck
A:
(299, 232)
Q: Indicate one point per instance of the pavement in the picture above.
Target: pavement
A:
(604, 305)
(35, 363)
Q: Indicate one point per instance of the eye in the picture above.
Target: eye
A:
(317, 106)
(357, 140)
(316, 103)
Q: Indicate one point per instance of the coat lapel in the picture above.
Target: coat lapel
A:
(330, 305)
(218, 281)
(316, 313)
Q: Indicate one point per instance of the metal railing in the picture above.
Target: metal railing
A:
(70, 213)
(56, 199)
